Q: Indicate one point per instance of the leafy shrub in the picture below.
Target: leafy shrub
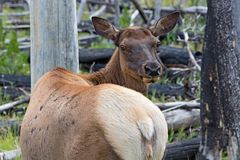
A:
(12, 60)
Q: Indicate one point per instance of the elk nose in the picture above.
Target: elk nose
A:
(152, 69)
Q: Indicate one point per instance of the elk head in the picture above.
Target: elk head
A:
(138, 46)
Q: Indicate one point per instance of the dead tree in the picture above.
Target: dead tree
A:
(53, 36)
(221, 81)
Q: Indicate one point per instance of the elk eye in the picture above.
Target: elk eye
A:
(158, 43)
(123, 47)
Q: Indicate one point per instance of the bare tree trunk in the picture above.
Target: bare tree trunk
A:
(117, 13)
(220, 105)
(157, 11)
(80, 11)
(53, 36)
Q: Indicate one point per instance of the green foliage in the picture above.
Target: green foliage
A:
(104, 43)
(185, 4)
(8, 141)
(12, 60)
(181, 134)
(224, 155)
(3, 97)
(125, 18)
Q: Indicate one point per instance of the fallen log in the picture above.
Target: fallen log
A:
(202, 10)
(15, 80)
(13, 93)
(9, 123)
(169, 55)
(17, 14)
(184, 105)
(11, 84)
(17, 27)
(181, 118)
(11, 88)
(8, 155)
(158, 90)
(13, 104)
(91, 55)
(183, 150)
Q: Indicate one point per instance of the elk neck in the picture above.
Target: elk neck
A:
(113, 73)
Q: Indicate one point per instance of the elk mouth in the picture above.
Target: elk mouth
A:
(144, 78)
(149, 79)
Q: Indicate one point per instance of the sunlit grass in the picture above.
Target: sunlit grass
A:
(181, 134)
(8, 141)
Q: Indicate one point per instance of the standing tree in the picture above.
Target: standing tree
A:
(220, 106)
(53, 36)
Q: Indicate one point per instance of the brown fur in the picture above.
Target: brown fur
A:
(113, 73)
(63, 122)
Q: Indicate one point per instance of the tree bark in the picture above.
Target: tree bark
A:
(221, 81)
(182, 150)
(53, 36)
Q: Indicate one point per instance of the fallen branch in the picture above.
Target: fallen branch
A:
(9, 123)
(13, 104)
(202, 10)
(16, 27)
(17, 14)
(140, 10)
(12, 83)
(100, 11)
(15, 80)
(169, 106)
(181, 118)
(8, 155)
(192, 59)
(80, 11)
(182, 150)
(172, 90)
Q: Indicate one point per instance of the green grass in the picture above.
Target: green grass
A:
(181, 134)
(188, 3)
(8, 141)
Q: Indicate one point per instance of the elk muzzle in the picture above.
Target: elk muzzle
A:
(152, 69)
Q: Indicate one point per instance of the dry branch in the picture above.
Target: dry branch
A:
(8, 155)
(17, 14)
(192, 59)
(15, 80)
(13, 104)
(182, 150)
(140, 10)
(181, 118)
(202, 10)
(9, 123)
(17, 27)
(169, 106)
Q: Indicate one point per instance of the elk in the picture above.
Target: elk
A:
(134, 63)
(72, 117)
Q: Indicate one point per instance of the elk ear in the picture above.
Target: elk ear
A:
(105, 29)
(165, 24)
